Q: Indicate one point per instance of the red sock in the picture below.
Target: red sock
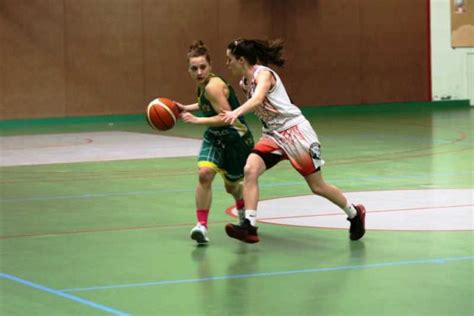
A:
(202, 215)
(240, 204)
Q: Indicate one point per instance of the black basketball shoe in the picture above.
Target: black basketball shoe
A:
(357, 229)
(244, 232)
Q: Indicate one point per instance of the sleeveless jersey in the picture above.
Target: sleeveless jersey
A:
(224, 148)
(277, 112)
(240, 126)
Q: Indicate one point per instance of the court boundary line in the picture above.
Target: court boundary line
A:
(276, 273)
(62, 294)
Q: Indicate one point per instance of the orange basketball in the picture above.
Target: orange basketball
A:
(162, 114)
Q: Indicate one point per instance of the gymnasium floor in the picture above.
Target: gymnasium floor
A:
(96, 213)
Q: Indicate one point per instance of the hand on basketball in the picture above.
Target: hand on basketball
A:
(229, 117)
(180, 106)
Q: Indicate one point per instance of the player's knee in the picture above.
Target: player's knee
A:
(206, 176)
(251, 172)
(317, 189)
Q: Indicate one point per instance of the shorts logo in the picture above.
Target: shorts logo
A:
(315, 151)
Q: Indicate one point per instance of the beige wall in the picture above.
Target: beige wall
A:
(91, 57)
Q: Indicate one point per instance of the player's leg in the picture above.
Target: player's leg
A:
(246, 230)
(235, 188)
(234, 158)
(208, 160)
(304, 152)
(265, 155)
(253, 169)
(355, 213)
(204, 190)
(203, 203)
(320, 187)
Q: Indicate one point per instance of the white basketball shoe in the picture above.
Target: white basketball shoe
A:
(199, 234)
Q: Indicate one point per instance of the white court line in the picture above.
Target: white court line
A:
(96, 146)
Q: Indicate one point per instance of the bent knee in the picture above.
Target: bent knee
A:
(251, 171)
(317, 189)
(206, 175)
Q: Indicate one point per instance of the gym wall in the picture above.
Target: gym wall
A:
(95, 57)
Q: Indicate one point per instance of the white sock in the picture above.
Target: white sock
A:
(251, 215)
(350, 210)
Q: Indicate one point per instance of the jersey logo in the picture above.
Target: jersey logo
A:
(206, 107)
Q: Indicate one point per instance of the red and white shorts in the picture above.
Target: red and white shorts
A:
(299, 144)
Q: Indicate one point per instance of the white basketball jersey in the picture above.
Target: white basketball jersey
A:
(277, 112)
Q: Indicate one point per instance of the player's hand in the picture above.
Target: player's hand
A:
(180, 106)
(188, 117)
(229, 117)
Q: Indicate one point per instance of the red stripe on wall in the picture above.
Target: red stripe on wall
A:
(428, 48)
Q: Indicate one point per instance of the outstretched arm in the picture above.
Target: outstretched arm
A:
(188, 108)
(264, 84)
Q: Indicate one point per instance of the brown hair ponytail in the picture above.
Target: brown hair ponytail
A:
(258, 51)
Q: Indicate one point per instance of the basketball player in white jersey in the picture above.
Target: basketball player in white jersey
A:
(286, 135)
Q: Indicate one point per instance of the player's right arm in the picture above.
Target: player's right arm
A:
(216, 92)
(265, 81)
(189, 107)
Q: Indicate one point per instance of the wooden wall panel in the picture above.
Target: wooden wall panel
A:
(32, 59)
(349, 52)
(91, 57)
(241, 19)
(322, 51)
(172, 26)
(169, 29)
(395, 51)
(104, 56)
(3, 35)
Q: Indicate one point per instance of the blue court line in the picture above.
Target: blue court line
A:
(263, 185)
(65, 295)
(277, 273)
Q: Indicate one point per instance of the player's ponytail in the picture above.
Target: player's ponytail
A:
(258, 51)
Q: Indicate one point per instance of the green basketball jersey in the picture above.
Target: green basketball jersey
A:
(207, 110)
(227, 147)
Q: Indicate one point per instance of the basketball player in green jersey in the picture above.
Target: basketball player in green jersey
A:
(225, 147)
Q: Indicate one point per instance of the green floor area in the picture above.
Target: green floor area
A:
(113, 237)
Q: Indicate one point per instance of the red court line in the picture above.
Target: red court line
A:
(371, 212)
(228, 211)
